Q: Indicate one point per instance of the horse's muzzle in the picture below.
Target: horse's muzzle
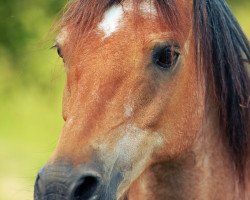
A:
(64, 182)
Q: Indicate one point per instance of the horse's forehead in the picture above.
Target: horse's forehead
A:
(113, 19)
(128, 25)
(120, 16)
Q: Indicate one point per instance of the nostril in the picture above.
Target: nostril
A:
(85, 187)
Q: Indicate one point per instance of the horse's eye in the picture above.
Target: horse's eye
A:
(59, 52)
(165, 57)
(58, 49)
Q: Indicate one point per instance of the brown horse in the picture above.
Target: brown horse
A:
(156, 104)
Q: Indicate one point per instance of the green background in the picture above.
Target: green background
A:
(31, 84)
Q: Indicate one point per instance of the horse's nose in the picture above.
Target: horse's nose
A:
(65, 183)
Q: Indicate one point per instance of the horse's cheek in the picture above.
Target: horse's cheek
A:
(182, 121)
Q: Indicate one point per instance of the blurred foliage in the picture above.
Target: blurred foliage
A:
(31, 84)
(31, 81)
(23, 21)
(24, 32)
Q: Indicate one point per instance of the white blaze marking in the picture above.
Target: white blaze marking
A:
(62, 37)
(128, 111)
(134, 142)
(111, 20)
(128, 151)
(134, 152)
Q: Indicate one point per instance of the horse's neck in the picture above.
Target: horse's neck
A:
(216, 175)
(204, 173)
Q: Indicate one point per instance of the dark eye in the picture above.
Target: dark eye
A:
(58, 49)
(166, 56)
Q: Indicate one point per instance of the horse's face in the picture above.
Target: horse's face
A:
(133, 98)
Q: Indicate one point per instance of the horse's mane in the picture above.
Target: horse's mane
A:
(222, 50)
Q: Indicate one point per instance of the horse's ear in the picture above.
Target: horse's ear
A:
(221, 46)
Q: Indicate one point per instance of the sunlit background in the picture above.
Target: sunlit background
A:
(31, 84)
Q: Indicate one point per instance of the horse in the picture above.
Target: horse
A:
(156, 103)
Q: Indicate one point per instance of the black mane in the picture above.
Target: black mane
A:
(224, 52)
